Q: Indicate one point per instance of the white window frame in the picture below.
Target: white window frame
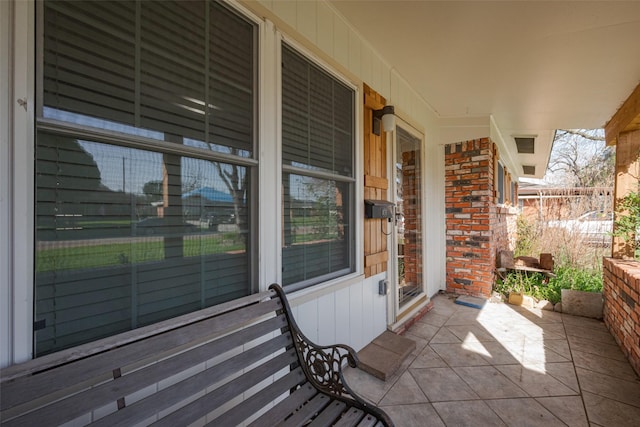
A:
(357, 196)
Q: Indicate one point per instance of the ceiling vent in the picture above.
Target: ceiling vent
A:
(528, 169)
(525, 144)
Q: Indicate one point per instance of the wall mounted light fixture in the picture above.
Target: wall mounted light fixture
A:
(386, 116)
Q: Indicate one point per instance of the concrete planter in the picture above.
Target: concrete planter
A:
(581, 303)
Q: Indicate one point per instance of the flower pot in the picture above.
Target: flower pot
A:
(515, 298)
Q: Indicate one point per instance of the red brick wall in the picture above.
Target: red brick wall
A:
(621, 293)
(412, 217)
(476, 227)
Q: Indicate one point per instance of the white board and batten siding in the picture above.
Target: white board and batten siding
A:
(354, 314)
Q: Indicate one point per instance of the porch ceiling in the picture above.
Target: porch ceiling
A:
(534, 66)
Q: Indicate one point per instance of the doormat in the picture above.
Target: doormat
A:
(468, 301)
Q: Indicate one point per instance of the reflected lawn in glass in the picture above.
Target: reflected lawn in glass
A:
(81, 255)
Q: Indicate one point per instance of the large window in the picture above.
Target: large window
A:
(145, 164)
(317, 157)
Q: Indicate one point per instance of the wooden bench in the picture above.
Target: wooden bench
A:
(242, 362)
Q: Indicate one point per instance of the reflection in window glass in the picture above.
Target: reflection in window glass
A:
(316, 229)
(128, 237)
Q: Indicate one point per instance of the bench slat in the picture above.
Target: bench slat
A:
(207, 403)
(255, 403)
(351, 418)
(282, 409)
(368, 421)
(81, 403)
(330, 414)
(95, 347)
(178, 392)
(307, 411)
(33, 387)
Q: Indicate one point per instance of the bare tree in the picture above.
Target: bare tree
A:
(580, 158)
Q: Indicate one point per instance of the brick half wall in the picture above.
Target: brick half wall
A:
(621, 292)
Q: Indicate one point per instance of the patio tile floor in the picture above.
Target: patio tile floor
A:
(506, 365)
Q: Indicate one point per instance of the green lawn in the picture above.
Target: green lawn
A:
(94, 256)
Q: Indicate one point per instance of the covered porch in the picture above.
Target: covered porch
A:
(507, 365)
(479, 89)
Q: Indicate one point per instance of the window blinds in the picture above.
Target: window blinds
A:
(317, 117)
(181, 68)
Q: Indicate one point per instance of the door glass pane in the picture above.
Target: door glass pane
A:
(409, 217)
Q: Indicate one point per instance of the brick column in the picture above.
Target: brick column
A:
(470, 217)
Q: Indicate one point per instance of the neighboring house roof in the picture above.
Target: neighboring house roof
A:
(210, 194)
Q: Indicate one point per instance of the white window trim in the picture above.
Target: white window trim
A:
(21, 122)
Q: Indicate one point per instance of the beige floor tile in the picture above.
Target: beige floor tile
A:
(610, 351)
(404, 391)
(423, 330)
(503, 331)
(524, 413)
(585, 322)
(473, 413)
(569, 409)
(444, 336)
(565, 373)
(610, 413)
(546, 331)
(560, 346)
(421, 342)
(489, 383)
(495, 353)
(603, 365)
(442, 384)
(428, 358)
(459, 355)
(538, 316)
(610, 387)
(470, 332)
(535, 381)
(435, 319)
(366, 385)
(421, 414)
(536, 352)
(589, 334)
(463, 318)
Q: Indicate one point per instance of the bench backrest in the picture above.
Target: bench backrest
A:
(226, 363)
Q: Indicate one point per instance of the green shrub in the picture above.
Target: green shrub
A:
(627, 221)
(541, 287)
(527, 236)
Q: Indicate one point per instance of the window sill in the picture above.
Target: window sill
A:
(316, 291)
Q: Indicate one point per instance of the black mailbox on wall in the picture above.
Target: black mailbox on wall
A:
(378, 209)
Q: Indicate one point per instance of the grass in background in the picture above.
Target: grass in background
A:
(578, 260)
